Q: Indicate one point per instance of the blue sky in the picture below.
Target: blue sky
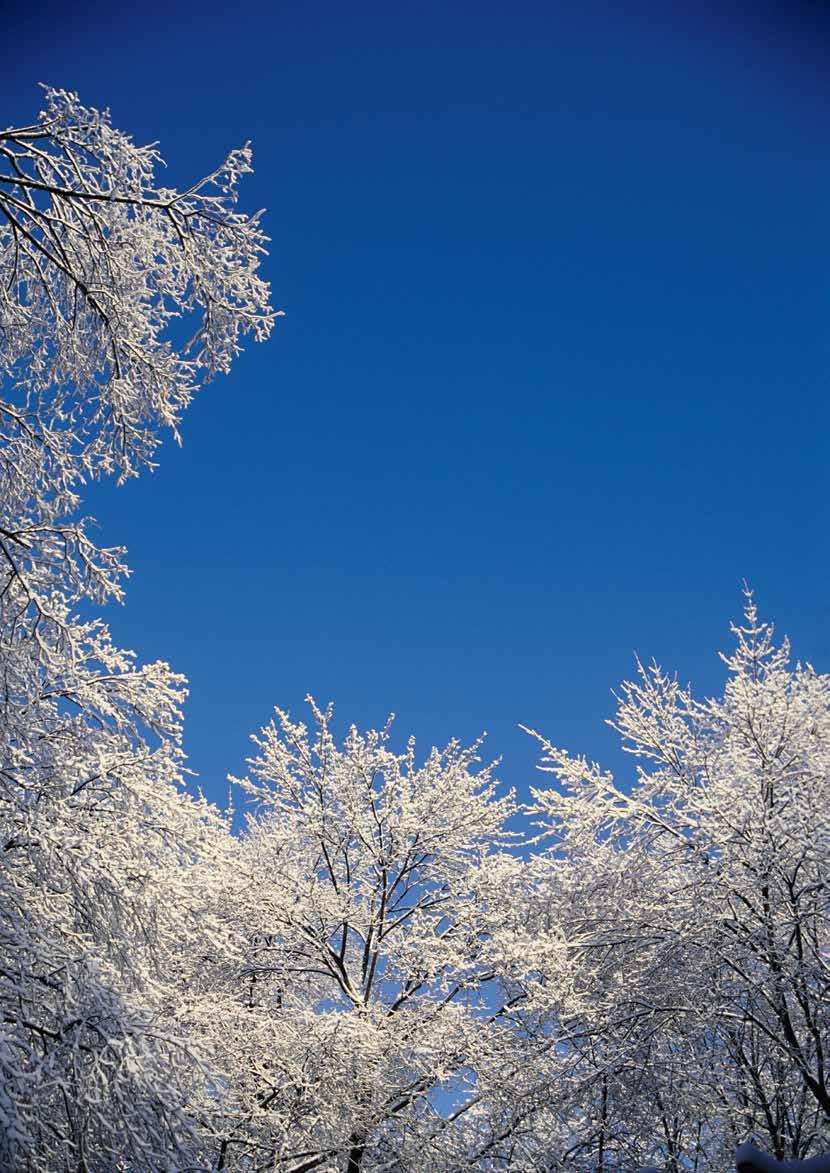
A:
(552, 378)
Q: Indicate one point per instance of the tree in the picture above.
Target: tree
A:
(710, 919)
(368, 977)
(104, 854)
(369, 992)
(402, 991)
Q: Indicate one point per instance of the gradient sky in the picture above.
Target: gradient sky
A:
(553, 374)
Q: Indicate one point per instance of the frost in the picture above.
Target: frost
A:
(103, 875)
(369, 977)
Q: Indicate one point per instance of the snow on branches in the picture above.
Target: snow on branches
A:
(363, 996)
(704, 886)
(102, 852)
(97, 262)
(375, 974)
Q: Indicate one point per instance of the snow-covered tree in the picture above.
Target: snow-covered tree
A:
(367, 1011)
(705, 911)
(400, 991)
(104, 857)
(367, 977)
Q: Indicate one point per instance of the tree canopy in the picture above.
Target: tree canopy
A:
(394, 964)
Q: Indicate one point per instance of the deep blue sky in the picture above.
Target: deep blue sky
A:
(553, 374)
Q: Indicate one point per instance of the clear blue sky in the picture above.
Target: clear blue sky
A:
(553, 374)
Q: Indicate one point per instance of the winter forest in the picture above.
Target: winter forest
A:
(377, 956)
